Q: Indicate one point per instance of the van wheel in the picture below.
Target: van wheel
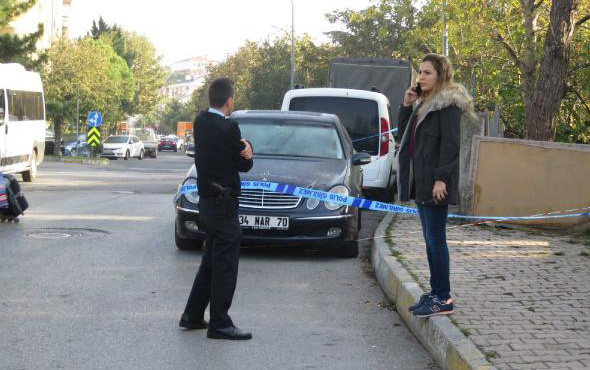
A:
(31, 175)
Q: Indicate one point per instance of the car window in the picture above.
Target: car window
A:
(117, 140)
(293, 138)
(360, 117)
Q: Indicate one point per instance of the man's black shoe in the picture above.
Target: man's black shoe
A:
(189, 324)
(231, 333)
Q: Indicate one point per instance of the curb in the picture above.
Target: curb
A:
(448, 346)
(100, 161)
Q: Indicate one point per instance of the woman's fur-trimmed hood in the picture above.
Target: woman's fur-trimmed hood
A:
(455, 94)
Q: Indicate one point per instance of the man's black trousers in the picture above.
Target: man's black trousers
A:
(215, 282)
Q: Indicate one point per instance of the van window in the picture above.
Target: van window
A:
(25, 105)
(2, 109)
(360, 117)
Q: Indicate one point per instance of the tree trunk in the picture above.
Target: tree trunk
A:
(57, 138)
(543, 105)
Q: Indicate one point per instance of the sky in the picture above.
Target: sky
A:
(214, 29)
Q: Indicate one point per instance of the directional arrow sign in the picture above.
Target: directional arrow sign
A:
(94, 119)
(93, 137)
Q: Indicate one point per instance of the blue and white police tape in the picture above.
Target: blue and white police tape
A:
(363, 203)
(377, 135)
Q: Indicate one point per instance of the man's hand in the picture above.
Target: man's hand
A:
(439, 192)
(247, 151)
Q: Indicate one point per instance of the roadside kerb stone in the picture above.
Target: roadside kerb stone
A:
(448, 346)
(96, 161)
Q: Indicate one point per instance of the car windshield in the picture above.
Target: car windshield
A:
(359, 116)
(293, 138)
(117, 140)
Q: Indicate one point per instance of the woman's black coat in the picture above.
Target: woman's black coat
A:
(436, 153)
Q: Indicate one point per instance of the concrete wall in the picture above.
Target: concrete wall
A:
(521, 178)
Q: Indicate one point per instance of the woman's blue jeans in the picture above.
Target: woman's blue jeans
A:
(434, 222)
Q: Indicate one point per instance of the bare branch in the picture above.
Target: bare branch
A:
(584, 19)
(538, 5)
(581, 99)
(509, 49)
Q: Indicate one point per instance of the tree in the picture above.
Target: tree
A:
(14, 48)
(102, 77)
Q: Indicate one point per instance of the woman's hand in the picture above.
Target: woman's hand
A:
(410, 96)
(439, 192)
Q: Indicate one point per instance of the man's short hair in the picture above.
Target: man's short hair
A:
(220, 90)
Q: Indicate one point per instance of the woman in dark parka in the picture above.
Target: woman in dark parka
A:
(429, 167)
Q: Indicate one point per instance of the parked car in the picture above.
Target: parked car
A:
(149, 140)
(190, 147)
(367, 119)
(49, 141)
(310, 150)
(168, 143)
(71, 149)
(122, 146)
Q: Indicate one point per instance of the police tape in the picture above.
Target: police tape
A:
(350, 201)
(377, 135)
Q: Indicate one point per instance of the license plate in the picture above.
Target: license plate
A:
(264, 222)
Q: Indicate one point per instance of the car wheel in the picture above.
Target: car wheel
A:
(31, 175)
(140, 155)
(126, 155)
(186, 244)
(175, 150)
(154, 154)
(348, 250)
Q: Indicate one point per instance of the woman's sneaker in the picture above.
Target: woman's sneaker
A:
(423, 298)
(435, 307)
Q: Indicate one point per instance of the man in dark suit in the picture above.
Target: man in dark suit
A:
(220, 152)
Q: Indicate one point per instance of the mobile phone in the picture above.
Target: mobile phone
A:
(418, 89)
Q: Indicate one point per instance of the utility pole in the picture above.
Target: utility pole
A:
(77, 118)
(292, 45)
(445, 38)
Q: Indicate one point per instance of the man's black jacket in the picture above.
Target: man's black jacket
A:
(217, 153)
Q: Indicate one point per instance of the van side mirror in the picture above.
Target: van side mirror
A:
(360, 159)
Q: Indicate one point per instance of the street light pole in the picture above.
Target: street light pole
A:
(292, 45)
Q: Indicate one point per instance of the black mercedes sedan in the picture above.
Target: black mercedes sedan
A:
(304, 149)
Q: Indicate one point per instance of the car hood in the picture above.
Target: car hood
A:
(320, 174)
(113, 146)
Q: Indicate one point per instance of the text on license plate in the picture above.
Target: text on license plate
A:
(264, 222)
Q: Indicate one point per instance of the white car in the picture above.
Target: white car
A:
(367, 118)
(122, 146)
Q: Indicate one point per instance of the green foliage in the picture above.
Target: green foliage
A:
(14, 48)
(491, 48)
(261, 71)
(171, 113)
(103, 78)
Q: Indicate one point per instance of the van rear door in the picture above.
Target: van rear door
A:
(360, 117)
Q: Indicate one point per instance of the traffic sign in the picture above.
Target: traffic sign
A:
(93, 137)
(94, 119)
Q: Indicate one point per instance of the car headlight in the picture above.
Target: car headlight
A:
(338, 189)
(191, 196)
(312, 203)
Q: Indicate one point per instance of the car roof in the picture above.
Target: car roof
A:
(286, 115)
(338, 92)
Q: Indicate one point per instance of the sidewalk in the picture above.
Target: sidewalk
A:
(523, 298)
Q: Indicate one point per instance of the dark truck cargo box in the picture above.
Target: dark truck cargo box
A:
(390, 77)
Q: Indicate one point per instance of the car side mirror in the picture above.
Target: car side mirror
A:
(360, 159)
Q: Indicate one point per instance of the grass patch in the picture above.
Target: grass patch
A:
(585, 253)
(491, 355)
(466, 332)
(559, 253)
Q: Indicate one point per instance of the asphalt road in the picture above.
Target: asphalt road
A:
(90, 279)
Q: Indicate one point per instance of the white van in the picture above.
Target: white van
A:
(367, 118)
(22, 121)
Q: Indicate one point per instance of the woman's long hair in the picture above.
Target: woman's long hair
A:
(444, 71)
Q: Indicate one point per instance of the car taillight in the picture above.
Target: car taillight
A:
(384, 140)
